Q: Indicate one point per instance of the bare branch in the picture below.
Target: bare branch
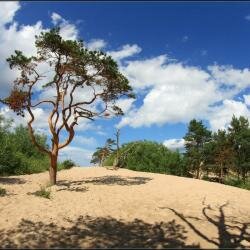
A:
(31, 131)
(46, 101)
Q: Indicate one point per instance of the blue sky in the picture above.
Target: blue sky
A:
(184, 60)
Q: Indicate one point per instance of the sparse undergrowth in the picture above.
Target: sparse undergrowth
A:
(230, 181)
(2, 191)
(238, 183)
(43, 192)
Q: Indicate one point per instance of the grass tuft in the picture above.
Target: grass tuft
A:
(2, 191)
(43, 193)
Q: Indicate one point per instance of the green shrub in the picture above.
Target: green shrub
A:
(30, 165)
(149, 156)
(237, 183)
(2, 191)
(43, 193)
(18, 155)
(67, 164)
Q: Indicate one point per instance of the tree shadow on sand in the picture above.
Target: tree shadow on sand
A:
(231, 233)
(89, 232)
(11, 180)
(103, 180)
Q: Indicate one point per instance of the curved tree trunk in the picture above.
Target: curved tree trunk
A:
(221, 173)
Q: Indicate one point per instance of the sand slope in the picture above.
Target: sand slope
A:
(95, 207)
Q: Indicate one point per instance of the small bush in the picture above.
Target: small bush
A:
(238, 183)
(2, 191)
(67, 164)
(43, 193)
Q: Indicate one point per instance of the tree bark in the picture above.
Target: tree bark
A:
(102, 160)
(53, 169)
(198, 173)
(221, 173)
(244, 176)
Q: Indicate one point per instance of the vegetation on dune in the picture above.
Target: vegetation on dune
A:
(43, 192)
(149, 156)
(18, 154)
(222, 156)
(2, 191)
(67, 164)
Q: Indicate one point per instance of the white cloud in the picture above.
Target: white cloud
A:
(40, 123)
(79, 155)
(178, 93)
(56, 18)
(87, 141)
(68, 30)
(126, 51)
(220, 116)
(21, 37)
(174, 144)
(7, 11)
(175, 93)
(15, 37)
(247, 99)
(125, 104)
(236, 79)
(96, 44)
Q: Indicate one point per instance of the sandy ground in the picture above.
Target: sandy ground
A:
(96, 207)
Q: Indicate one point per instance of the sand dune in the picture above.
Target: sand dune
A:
(96, 207)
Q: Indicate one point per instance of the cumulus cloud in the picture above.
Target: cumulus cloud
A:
(56, 18)
(174, 144)
(80, 155)
(247, 99)
(7, 12)
(87, 141)
(126, 51)
(96, 44)
(220, 116)
(68, 30)
(234, 79)
(177, 93)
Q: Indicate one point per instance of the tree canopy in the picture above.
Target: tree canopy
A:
(149, 156)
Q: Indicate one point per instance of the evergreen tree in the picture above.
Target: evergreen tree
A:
(195, 139)
(223, 153)
(239, 132)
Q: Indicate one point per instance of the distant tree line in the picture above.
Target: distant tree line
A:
(222, 156)
(18, 154)
(223, 153)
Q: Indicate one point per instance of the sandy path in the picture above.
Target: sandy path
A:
(95, 207)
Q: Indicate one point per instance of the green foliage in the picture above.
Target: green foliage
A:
(2, 191)
(237, 183)
(101, 153)
(226, 154)
(17, 153)
(239, 134)
(67, 164)
(43, 192)
(149, 156)
(195, 139)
